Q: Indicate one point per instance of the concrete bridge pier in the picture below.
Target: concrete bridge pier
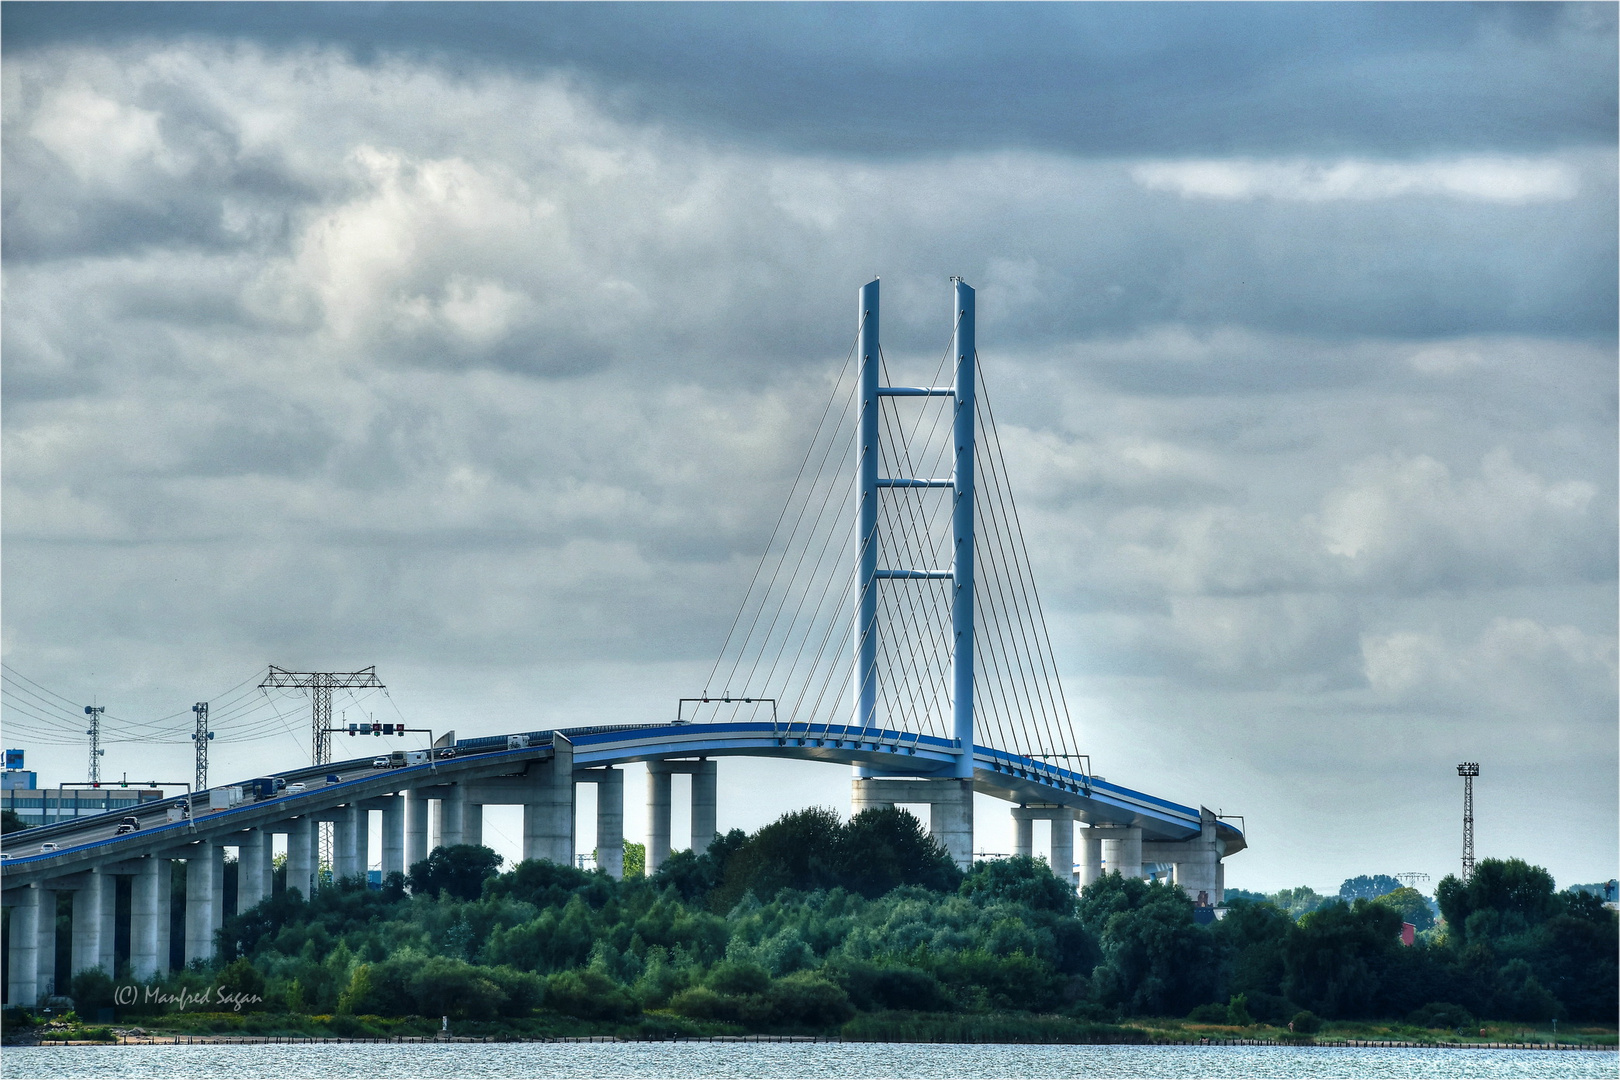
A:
(250, 883)
(452, 816)
(416, 827)
(109, 920)
(300, 856)
(1062, 819)
(143, 917)
(548, 809)
(1122, 851)
(609, 817)
(46, 951)
(1090, 857)
(705, 774)
(393, 835)
(950, 807)
(87, 922)
(201, 900)
(22, 987)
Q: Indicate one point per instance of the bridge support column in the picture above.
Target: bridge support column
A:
(353, 838)
(143, 919)
(1122, 852)
(1090, 858)
(416, 828)
(109, 922)
(548, 818)
(250, 882)
(23, 985)
(705, 804)
(216, 910)
(610, 822)
(1023, 834)
(472, 823)
(950, 819)
(1220, 882)
(453, 816)
(201, 899)
(300, 856)
(393, 836)
(87, 923)
(46, 952)
(609, 817)
(658, 798)
(1063, 846)
(165, 916)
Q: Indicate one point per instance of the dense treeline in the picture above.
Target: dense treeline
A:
(810, 921)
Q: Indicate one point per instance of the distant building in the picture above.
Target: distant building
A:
(47, 806)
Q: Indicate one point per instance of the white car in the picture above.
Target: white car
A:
(293, 789)
(379, 763)
(46, 848)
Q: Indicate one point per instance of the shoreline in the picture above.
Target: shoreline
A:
(259, 1040)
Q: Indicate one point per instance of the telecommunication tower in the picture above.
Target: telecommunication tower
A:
(94, 713)
(201, 735)
(1468, 770)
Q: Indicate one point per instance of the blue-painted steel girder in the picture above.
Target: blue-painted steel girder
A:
(903, 482)
(916, 391)
(944, 575)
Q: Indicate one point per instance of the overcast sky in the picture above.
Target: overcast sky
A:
(481, 343)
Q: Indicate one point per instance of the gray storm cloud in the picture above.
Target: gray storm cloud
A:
(489, 381)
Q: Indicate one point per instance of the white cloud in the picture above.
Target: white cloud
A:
(1482, 179)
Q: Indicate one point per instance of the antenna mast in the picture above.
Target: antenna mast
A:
(94, 713)
(201, 735)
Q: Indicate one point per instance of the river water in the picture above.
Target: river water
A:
(783, 1060)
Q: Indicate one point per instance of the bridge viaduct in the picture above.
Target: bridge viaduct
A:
(440, 802)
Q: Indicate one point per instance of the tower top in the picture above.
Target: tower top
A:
(1468, 768)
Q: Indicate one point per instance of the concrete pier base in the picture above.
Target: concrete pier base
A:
(301, 855)
(416, 828)
(393, 836)
(87, 923)
(200, 901)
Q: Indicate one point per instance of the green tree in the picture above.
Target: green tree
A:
(635, 859)
(884, 848)
(459, 870)
(11, 821)
(1339, 959)
(1021, 880)
(1503, 897)
(1412, 906)
(1367, 887)
(1298, 901)
(1155, 959)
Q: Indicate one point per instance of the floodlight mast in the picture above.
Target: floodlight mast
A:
(1468, 770)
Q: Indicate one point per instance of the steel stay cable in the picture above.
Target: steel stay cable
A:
(1034, 590)
(1006, 661)
(1032, 653)
(792, 586)
(792, 492)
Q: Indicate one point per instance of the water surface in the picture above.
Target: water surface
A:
(924, 1061)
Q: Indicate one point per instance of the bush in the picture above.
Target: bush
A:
(700, 1003)
(1305, 1022)
(1441, 1015)
(92, 990)
(872, 987)
(1209, 1013)
(589, 995)
(806, 1000)
(737, 978)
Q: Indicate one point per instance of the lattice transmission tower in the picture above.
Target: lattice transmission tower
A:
(320, 685)
(1468, 770)
(94, 713)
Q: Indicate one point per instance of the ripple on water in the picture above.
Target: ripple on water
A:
(783, 1060)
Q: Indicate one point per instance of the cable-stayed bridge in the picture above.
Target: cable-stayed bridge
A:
(893, 627)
